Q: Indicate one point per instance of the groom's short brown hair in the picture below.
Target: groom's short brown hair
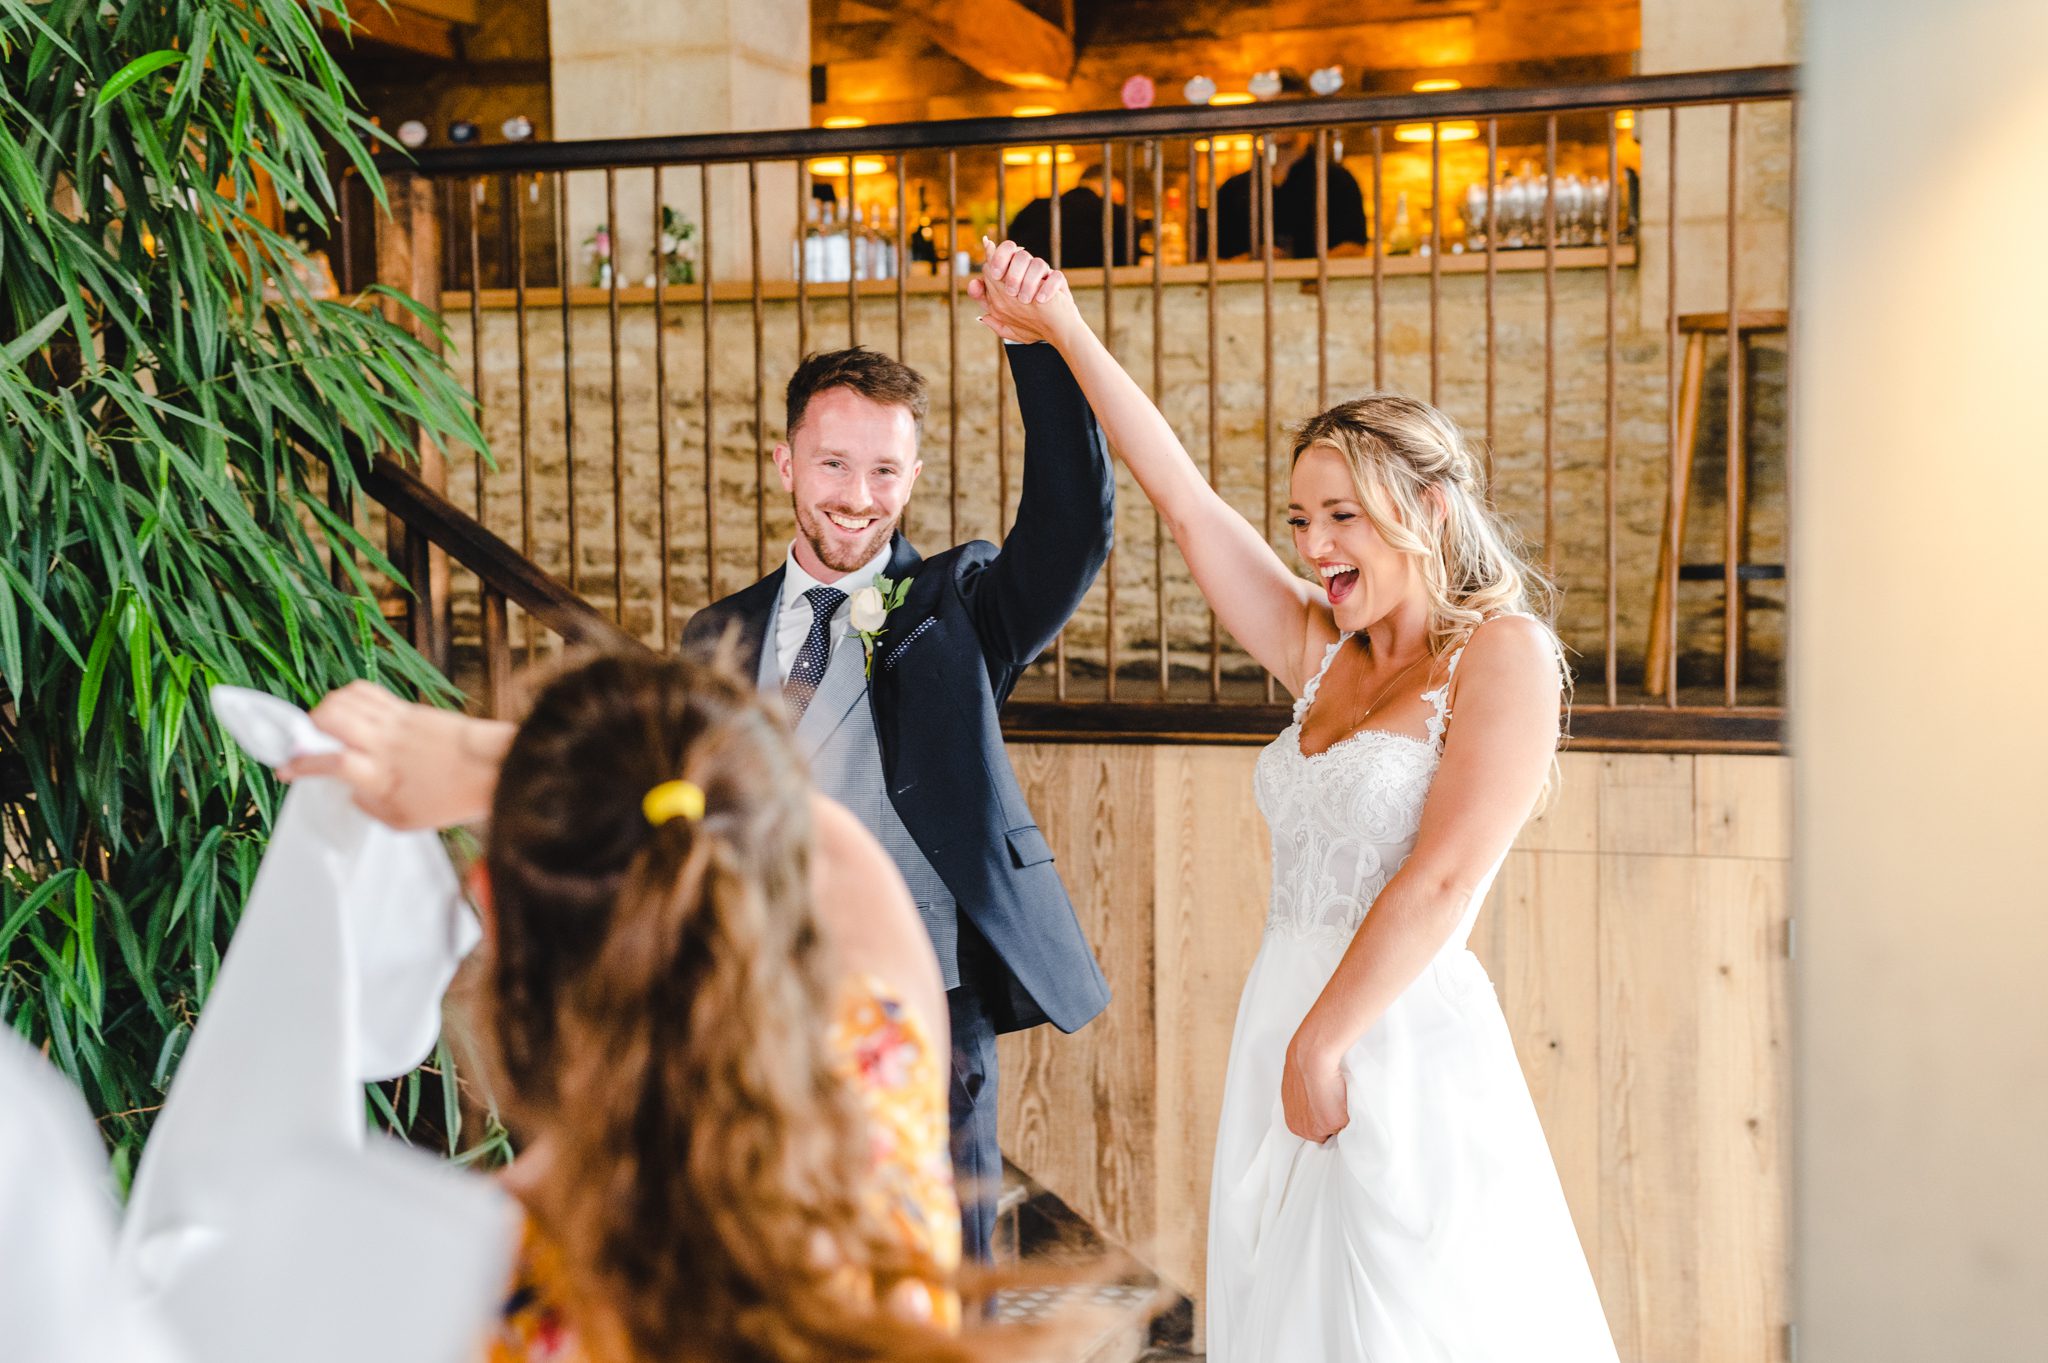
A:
(874, 376)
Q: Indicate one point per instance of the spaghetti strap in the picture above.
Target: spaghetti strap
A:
(1308, 693)
(1439, 697)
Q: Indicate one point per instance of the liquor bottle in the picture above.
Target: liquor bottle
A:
(1401, 239)
(1173, 243)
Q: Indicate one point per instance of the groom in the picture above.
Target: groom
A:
(897, 712)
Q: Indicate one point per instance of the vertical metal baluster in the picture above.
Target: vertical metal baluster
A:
(1263, 148)
(1059, 641)
(662, 542)
(902, 259)
(1675, 493)
(953, 350)
(1215, 226)
(1379, 264)
(476, 326)
(1002, 371)
(1791, 296)
(710, 425)
(803, 263)
(852, 262)
(611, 227)
(1436, 259)
(1550, 346)
(1052, 154)
(1737, 490)
(760, 372)
(1322, 155)
(1131, 203)
(516, 205)
(562, 230)
(1492, 336)
(1613, 407)
(1109, 339)
(1157, 150)
(345, 221)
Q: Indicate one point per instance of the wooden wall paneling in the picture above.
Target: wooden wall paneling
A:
(1649, 1139)
(1077, 1112)
(1742, 806)
(1743, 1100)
(1545, 964)
(1646, 803)
(1213, 875)
(1570, 820)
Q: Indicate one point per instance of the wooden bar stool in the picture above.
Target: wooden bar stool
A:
(1697, 327)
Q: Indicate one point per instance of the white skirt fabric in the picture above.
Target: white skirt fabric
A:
(1431, 1229)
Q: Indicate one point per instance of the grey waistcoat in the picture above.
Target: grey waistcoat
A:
(837, 737)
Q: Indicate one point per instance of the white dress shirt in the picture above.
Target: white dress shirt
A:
(793, 618)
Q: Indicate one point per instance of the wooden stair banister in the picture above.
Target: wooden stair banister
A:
(503, 574)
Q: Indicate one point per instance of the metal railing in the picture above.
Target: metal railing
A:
(1563, 353)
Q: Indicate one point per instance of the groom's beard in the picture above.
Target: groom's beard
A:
(834, 547)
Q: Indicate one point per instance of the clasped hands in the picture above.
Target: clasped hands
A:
(1027, 300)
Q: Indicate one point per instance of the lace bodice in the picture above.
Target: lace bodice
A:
(1344, 820)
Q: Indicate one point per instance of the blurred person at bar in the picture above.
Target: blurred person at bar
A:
(1294, 207)
(1080, 223)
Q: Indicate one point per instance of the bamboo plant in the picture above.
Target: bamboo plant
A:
(174, 403)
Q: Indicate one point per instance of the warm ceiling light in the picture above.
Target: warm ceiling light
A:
(1241, 143)
(1435, 85)
(831, 166)
(1019, 156)
(1421, 132)
(1625, 120)
(1032, 111)
(1232, 97)
(846, 121)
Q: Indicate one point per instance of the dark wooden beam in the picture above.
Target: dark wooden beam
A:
(1628, 729)
(400, 28)
(999, 38)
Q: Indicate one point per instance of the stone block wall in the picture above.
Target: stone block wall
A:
(960, 490)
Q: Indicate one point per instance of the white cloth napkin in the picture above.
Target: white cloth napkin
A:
(61, 1300)
(262, 1224)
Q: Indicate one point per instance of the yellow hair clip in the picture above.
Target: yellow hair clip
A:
(671, 799)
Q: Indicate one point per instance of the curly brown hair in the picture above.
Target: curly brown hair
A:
(659, 1000)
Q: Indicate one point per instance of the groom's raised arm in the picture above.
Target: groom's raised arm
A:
(1065, 515)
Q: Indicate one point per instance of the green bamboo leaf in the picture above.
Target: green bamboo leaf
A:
(136, 629)
(19, 585)
(95, 670)
(29, 342)
(118, 83)
(32, 905)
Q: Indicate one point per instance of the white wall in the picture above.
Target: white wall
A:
(1920, 695)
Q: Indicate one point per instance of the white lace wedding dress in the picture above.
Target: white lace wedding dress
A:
(1432, 1227)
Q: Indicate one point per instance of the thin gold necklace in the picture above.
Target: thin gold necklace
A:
(1388, 688)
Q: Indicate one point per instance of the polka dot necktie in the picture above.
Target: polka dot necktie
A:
(816, 654)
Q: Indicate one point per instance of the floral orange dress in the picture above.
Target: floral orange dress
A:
(884, 1052)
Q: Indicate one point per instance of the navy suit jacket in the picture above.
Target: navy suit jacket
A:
(974, 618)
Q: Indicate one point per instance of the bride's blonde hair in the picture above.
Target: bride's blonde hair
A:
(1434, 508)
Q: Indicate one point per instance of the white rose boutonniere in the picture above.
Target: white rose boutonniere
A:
(868, 613)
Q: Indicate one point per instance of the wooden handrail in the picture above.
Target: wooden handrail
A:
(497, 565)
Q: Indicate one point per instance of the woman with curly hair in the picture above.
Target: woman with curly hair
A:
(713, 1018)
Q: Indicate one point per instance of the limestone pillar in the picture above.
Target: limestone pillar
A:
(637, 68)
(1917, 663)
(1687, 35)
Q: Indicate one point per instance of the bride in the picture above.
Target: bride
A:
(1382, 1190)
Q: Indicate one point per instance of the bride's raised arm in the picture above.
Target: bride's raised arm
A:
(1271, 611)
